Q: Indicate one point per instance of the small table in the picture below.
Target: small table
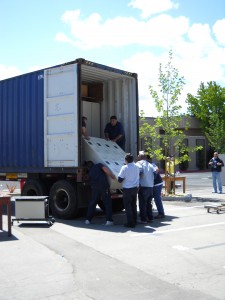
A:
(170, 179)
(6, 201)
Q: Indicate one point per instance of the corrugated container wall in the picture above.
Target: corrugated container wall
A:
(21, 123)
(121, 101)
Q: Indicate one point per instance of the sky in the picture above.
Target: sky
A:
(132, 35)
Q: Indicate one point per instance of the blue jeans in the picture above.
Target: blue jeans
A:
(216, 181)
(97, 194)
(145, 195)
(157, 191)
(130, 204)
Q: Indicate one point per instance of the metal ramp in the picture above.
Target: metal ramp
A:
(106, 152)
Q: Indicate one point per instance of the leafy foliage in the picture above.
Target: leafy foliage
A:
(167, 125)
(209, 107)
(210, 98)
(215, 133)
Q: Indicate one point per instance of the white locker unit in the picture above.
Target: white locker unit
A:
(92, 112)
(106, 152)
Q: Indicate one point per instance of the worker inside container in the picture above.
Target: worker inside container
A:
(84, 128)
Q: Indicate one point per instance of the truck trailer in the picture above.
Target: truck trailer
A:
(40, 132)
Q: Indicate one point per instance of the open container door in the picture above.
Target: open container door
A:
(116, 93)
(61, 117)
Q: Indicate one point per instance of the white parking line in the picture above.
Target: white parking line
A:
(159, 232)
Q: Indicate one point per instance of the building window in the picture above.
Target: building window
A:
(200, 154)
(145, 143)
(184, 164)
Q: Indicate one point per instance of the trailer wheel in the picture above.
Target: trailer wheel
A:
(34, 187)
(63, 200)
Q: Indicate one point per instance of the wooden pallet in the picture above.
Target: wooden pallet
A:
(215, 207)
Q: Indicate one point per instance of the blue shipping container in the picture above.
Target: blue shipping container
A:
(21, 123)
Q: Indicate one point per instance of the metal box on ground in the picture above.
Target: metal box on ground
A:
(32, 208)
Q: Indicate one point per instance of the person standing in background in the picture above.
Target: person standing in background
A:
(216, 165)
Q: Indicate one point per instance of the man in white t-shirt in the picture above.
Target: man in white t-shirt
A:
(129, 176)
(145, 193)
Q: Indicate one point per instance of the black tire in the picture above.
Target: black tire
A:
(34, 187)
(63, 200)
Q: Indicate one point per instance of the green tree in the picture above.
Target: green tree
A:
(209, 107)
(210, 98)
(215, 132)
(166, 125)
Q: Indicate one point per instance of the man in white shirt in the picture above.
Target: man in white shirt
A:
(129, 176)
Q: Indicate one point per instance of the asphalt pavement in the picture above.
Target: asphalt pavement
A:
(180, 257)
(199, 186)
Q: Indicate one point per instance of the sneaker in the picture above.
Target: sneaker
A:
(160, 216)
(220, 193)
(87, 222)
(109, 223)
(214, 192)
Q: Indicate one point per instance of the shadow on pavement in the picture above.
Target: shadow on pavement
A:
(5, 238)
(119, 220)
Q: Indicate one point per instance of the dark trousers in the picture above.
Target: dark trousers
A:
(145, 195)
(97, 194)
(130, 204)
(157, 191)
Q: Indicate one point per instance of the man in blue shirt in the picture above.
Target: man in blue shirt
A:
(129, 176)
(114, 131)
(157, 190)
(100, 190)
(216, 165)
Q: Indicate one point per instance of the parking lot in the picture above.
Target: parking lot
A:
(179, 257)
